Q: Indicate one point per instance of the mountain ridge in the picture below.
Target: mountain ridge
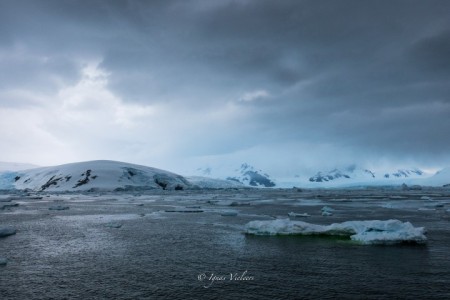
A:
(246, 175)
(94, 175)
(354, 172)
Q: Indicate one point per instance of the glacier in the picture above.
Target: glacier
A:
(368, 232)
(100, 175)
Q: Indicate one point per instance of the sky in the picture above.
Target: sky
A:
(291, 87)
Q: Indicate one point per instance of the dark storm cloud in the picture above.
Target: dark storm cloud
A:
(431, 55)
(373, 75)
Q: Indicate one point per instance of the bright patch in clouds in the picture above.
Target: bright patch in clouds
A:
(87, 121)
(254, 95)
(58, 130)
(91, 101)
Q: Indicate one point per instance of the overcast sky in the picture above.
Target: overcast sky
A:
(288, 86)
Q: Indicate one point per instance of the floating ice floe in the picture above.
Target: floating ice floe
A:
(229, 213)
(293, 214)
(364, 232)
(114, 225)
(8, 206)
(3, 261)
(426, 209)
(58, 207)
(184, 210)
(236, 203)
(6, 231)
(327, 211)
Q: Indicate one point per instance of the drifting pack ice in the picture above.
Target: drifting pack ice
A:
(363, 232)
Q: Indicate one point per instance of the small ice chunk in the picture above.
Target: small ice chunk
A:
(236, 203)
(229, 213)
(58, 207)
(114, 225)
(327, 211)
(425, 198)
(327, 208)
(6, 231)
(184, 210)
(293, 214)
(3, 261)
(8, 206)
(363, 232)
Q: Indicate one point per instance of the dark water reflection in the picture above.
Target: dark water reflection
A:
(74, 255)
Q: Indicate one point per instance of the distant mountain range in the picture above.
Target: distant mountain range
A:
(350, 176)
(106, 175)
(353, 173)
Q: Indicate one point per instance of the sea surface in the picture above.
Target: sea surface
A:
(178, 245)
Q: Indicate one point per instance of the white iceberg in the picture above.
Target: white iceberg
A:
(364, 232)
(327, 211)
(114, 225)
(327, 208)
(293, 214)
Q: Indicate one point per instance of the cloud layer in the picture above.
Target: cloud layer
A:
(289, 86)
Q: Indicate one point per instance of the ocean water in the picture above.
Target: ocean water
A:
(126, 246)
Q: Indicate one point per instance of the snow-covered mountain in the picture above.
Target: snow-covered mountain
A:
(353, 172)
(105, 175)
(250, 176)
(101, 175)
(441, 178)
(357, 175)
(246, 175)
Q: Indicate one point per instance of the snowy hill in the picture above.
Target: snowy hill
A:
(349, 173)
(246, 175)
(11, 166)
(354, 175)
(93, 175)
(441, 178)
